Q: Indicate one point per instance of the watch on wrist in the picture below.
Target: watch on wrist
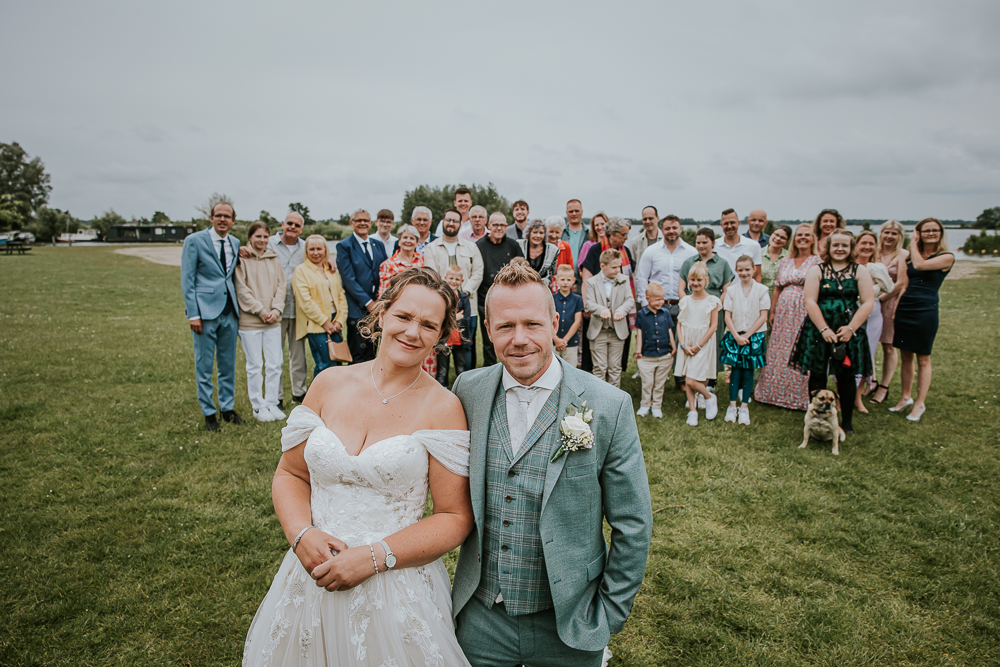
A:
(390, 558)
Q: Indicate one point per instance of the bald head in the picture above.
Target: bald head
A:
(756, 221)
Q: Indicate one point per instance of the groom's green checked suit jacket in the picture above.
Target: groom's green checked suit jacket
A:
(592, 588)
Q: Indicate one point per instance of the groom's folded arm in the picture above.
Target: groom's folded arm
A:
(627, 508)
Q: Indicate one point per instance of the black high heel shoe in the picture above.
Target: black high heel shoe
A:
(877, 387)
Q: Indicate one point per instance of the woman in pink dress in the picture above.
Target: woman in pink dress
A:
(891, 238)
(779, 383)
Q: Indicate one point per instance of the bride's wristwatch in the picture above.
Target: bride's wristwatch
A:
(390, 558)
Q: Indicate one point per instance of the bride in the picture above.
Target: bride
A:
(363, 583)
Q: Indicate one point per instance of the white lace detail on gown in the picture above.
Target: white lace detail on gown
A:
(400, 617)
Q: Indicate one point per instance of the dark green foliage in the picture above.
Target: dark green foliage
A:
(106, 220)
(160, 218)
(440, 199)
(989, 219)
(24, 186)
(272, 223)
(688, 235)
(984, 244)
(50, 223)
(303, 211)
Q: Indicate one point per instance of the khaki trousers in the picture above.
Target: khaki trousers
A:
(296, 358)
(571, 354)
(606, 351)
(654, 371)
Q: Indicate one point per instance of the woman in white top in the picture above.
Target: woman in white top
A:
(358, 457)
(865, 246)
(744, 346)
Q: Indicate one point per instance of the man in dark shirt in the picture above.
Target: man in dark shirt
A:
(497, 250)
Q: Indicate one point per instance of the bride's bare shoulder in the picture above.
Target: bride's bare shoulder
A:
(445, 409)
(329, 383)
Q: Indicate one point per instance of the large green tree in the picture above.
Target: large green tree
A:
(302, 210)
(989, 219)
(51, 222)
(24, 186)
(440, 199)
(106, 220)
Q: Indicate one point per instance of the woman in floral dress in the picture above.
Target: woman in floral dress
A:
(779, 383)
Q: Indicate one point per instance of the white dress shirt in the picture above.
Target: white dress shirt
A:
(389, 244)
(661, 266)
(743, 247)
(228, 245)
(546, 385)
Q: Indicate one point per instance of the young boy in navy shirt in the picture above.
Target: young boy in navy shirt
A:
(570, 309)
(655, 350)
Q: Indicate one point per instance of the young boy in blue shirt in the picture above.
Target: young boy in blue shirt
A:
(655, 347)
(570, 308)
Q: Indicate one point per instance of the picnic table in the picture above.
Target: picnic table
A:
(15, 245)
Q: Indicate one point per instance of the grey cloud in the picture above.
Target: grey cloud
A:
(150, 133)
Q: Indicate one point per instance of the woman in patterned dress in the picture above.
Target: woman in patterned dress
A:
(779, 384)
(891, 238)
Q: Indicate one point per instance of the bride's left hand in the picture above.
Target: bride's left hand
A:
(345, 570)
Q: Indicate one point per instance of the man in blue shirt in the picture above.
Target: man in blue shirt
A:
(757, 221)
(569, 306)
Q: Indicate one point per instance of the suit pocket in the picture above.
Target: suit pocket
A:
(207, 289)
(580, 470)
(595, 567)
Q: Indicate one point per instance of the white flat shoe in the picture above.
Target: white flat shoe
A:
(276, 413)
(731, 414)
(711, 408)
(692, 418)
(900, 408)
(658, 413)
(744, 416)
(263, 415)
(642, 411)
(915, 416)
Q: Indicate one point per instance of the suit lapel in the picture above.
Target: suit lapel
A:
(212, 249)
(483, 398)
(570, 393)
(542, 423)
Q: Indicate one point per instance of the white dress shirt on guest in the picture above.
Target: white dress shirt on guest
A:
(389, 244)
(659, 265)
(743, 247)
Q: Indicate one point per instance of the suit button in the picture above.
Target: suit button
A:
(506, 523)
(503, 548)
(510, 473)
(508, 499)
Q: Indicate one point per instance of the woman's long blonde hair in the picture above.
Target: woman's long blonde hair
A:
(793, 251)
(880, 247)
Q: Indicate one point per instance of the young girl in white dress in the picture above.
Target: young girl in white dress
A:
(697, 320)
(363, 582)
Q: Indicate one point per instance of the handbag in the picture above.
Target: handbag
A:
(337, 348)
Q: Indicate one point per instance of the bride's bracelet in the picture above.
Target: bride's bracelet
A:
(295, 542)
(374, 562)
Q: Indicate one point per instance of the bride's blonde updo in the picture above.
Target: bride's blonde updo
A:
(370, 328)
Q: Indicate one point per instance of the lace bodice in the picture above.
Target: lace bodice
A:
(363, 498)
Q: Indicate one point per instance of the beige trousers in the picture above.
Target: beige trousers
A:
(606, 351)
(654, 372)
(571, 353)
(296, 358)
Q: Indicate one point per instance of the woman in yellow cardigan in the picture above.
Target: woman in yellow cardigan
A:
(320, 302)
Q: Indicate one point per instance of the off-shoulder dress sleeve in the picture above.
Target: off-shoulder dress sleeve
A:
(451, 448)
(301, 423)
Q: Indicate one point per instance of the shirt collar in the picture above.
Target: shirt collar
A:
(550, 378)
(215, 235)
(361, 241)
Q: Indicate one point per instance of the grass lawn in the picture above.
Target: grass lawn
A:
(129, 536)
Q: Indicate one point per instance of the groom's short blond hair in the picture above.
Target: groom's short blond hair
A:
(517, 274)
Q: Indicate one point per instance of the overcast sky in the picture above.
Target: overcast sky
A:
(885, 109)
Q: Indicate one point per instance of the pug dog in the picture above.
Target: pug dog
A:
(822, 422)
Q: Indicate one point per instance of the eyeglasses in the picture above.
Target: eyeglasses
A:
(930, 231)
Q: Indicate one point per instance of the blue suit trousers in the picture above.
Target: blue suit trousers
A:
(216, 344)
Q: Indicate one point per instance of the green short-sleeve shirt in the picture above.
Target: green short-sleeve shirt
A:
(719, 273)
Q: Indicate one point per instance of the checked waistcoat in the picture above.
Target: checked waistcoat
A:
(513, 560)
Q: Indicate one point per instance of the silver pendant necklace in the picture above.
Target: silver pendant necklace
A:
(385, 401)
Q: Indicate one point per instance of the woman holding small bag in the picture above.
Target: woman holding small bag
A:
(882, 286)
(320, 303)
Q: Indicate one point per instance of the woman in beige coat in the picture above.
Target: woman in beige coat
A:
(260, 290)
(320, 303)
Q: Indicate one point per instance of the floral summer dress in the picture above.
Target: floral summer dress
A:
(779, 384)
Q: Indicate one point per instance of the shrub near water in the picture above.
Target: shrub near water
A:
(129, 536)
(984, 244)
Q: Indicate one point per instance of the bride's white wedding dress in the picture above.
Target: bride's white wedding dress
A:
(394, 619)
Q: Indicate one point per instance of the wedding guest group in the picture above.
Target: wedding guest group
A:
(788, 304)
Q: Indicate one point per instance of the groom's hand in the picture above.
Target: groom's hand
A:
(347, 570)
(317, 547)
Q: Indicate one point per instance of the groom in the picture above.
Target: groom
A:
(535, 582)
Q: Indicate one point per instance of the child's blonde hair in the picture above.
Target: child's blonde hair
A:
(454, 268)
(564, 270)
(654, 289)
(609, 256)
(698, 270)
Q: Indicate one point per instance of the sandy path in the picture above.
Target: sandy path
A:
(171, 256)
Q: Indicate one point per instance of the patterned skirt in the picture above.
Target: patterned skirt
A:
(751, 355)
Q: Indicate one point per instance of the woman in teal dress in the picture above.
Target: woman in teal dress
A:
(916, 320)
(839, 299)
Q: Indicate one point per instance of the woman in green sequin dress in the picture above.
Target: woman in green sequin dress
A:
(839, 299)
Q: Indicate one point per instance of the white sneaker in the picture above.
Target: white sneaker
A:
(745, 415)
(263, 415)
(643, 411)
(692, 418)
(731, 413)
(711, 408)
(276, 414)
(658, 413)
(699, 401)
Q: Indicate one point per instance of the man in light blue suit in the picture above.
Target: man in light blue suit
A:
(207, 263)
(536, 584)
(358, 262)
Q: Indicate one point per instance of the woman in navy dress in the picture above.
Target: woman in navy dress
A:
(916, 320)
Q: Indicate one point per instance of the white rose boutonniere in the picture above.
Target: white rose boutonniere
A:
(620, 279)
(575, 429)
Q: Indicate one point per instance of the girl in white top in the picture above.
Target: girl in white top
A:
(697, 321)
(744, 347)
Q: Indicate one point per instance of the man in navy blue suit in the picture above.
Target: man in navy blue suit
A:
(207, 263)
(358, 261)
